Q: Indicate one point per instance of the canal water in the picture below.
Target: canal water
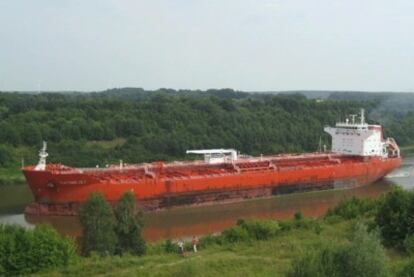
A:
(188, 221)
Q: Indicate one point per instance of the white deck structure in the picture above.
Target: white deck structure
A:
(360, 138)
(41, 166)
(216, 156)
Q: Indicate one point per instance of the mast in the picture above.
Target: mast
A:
(41, 165)
(362, 116)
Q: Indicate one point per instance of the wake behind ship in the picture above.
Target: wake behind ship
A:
(360, 155)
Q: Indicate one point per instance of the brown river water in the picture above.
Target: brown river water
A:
(185, 222)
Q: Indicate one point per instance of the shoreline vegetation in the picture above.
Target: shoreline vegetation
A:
(358, 235)
(406, 150)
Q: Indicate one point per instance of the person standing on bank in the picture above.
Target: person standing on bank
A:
(195, 241)
(181, 246)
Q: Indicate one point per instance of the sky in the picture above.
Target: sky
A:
(249, 45)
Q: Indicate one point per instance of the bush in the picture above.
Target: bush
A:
(353, 208)
(246, 230)
(333, 219)
(324, 261)
(407, 270)
(170, 247)
(205, 241)
(395, 216)
(261, 230)
(235, 234)
(364, 256)
(308, 223)
(409, 245)
(25, 251)
(286, 225)
(297, 216)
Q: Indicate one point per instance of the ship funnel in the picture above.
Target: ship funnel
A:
(41, 165)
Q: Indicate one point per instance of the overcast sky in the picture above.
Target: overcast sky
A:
(246, 45)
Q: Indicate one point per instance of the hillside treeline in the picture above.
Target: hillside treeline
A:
(100, 128)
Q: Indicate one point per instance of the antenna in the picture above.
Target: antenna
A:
(353, 118)
(362, 116)
(320, 144)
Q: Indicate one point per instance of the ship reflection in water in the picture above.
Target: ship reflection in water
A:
(186, 222)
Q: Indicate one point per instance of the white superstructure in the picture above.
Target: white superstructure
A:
(41, 165)
(361, 139)
(215, 156)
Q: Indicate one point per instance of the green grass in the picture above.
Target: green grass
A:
(409, 149)
(251, 258)
(11, 176)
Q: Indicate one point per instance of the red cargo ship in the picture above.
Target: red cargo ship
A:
(360, 155)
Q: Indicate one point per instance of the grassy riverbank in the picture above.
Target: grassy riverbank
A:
(407, 150)
(271, 257)
(11, 176)
(268, 257)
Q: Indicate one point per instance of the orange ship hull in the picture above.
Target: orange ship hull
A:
(59, 189)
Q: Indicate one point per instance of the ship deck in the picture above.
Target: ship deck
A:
(198, 169)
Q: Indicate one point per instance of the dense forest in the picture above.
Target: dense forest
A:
(88, 129)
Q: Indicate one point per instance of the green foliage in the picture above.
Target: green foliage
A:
(333, 219)
(97, 224)
(162, 125)
(364, 256)
(409, 245)
(402, 127)
(286, 225)
(395, 216)
(261, 230)
(248, 230)
(235, 234)
(129, 225)
(207, 240)
(353, 208)
(321, 262)
(25, 251)
(5, 156)
(170, 247)
(407, 270)
(300, 223)
(297, 215)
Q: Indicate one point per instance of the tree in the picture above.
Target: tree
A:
(97, 224)
(394, 217)
(364, 256)
(128, 226)
(31, 134)
(24, 251)
(5, 156)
